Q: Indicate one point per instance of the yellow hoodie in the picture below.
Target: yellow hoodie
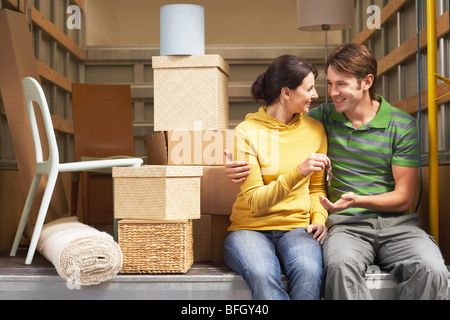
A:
(275, 195)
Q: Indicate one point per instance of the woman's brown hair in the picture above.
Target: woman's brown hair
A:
(285, 71)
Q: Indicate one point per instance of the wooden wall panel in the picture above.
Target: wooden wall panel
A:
(405, 51)
(59, 60)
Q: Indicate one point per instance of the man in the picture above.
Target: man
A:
(374, 152)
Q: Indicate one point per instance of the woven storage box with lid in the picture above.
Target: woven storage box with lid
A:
(190, 90)
(156, 246)
(157, 192)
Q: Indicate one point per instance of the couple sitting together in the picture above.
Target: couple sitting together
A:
(280, 222)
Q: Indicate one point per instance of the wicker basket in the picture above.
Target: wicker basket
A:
(156, 246)
(157, 192)
(190, 91)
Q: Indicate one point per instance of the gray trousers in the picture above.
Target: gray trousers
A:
(395, 244)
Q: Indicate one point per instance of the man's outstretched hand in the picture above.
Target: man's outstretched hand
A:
(347, 200)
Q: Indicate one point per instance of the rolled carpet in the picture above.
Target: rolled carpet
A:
(81, 254)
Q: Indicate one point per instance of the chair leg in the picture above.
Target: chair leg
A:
(25, 213)
(41, 215)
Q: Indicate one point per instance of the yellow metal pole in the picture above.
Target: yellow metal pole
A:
(432, 119)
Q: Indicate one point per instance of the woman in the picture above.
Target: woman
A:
(277, 221)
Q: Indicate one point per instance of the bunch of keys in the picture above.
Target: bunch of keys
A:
(329, 174)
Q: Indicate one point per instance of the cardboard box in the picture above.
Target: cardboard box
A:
(218, 193)
(11, 205)
(202, 239)
(157, 148)
(219, 230)
(157, 192)
(210, 232)
(190, 89)
(198, 147)
(17, 61)
(189, 147)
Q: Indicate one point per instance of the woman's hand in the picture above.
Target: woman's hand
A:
(236, 171)
(316, 162)
(319, 231)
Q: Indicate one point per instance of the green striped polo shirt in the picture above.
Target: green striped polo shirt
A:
(362, 158)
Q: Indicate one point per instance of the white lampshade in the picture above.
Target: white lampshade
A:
(319, 15)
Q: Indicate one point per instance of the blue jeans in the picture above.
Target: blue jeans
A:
(261, 257)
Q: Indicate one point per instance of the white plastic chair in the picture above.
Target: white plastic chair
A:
(51, 166)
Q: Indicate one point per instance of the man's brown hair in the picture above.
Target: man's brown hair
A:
(357, 60)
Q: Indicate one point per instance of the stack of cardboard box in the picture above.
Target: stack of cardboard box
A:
(191, 125)
(184, 182)
(155, 206)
